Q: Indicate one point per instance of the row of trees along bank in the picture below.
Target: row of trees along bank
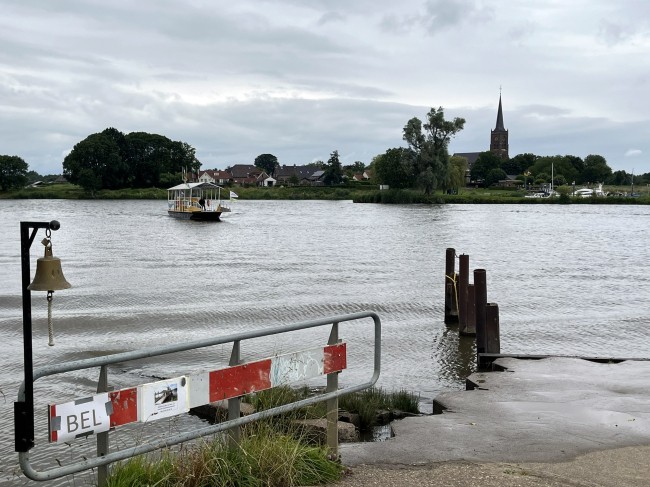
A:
(113, 160)
(426, 163)
(533, 169)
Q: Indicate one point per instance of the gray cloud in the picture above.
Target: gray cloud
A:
(329, 17)
(300, 79)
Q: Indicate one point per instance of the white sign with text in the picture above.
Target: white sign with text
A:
(80, 418)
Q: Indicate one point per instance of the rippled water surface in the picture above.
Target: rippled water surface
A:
(568, 280)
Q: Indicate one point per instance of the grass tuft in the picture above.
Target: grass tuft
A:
(271, 453)
(142, 471)
(369, 402)
(264, 457)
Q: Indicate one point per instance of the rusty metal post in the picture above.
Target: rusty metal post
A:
(102, 438)
(451, 312)
(492, 340)
(333, 404)
(234, 404)
(470, 307)
(463, 282)
(480, 299)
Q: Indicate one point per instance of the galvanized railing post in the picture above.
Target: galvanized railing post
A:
(333, 404)
(234, 404)
(102, 438)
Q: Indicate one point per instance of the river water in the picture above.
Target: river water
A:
(568, 280)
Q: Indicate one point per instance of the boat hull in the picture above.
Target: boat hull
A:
(206, 216)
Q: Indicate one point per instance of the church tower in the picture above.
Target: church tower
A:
(499, 136)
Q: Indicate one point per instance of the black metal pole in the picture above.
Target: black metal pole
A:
(24, 410)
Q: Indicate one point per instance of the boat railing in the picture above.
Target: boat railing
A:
(183, 203)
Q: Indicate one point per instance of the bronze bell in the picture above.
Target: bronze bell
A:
(49, 276)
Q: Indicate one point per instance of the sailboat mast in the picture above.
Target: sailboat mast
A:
(551, 177)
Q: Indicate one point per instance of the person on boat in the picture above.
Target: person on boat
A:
(202, 203)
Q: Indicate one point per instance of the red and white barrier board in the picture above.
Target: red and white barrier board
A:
(170, 397)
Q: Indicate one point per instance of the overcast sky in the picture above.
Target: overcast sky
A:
(301, 78)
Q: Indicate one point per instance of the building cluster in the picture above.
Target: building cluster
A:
(250, 175)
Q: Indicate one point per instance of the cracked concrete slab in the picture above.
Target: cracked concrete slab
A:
(548, 410)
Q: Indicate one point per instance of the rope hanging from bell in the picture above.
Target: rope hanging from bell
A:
(50, 328)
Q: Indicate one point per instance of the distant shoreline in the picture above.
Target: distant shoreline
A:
(359, 193)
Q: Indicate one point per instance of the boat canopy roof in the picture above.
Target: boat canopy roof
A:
(205, 185)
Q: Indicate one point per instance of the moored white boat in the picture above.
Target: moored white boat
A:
(588, 192)
(196, 201)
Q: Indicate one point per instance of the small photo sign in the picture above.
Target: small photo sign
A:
(163, 399)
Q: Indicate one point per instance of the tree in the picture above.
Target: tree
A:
(32, 176)
(333, 170)
(596, 169)
(556, 165)
(620, 178)
(394, 168)
(91, 160)
(561, 167)
(494, 176)
(519, 164)
(267, 162)
(144, 164)
(577, 163)
(558, 180)
(148, 156)
(457, 172)
(13, 172)
(484, 163)
(542, 178)
(118, 137)
(181, 155)
(317, 165)
(429, 144)
(356, 168)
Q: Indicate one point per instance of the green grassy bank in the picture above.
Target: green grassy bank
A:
(73, 192)
(487, 196)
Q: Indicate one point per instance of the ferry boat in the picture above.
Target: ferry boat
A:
(196, 201)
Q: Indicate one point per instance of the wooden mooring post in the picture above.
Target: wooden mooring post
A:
(451, 300)
(492, 339)
(470, 306)
(480, 303)
(463, 283)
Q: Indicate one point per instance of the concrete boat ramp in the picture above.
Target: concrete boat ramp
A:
(549, 422)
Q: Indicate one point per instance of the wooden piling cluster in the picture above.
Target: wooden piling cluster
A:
(467, 304)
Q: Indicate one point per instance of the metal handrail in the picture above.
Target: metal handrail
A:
(24, 458)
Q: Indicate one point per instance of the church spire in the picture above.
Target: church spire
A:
(499, 136)
(500, 126)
